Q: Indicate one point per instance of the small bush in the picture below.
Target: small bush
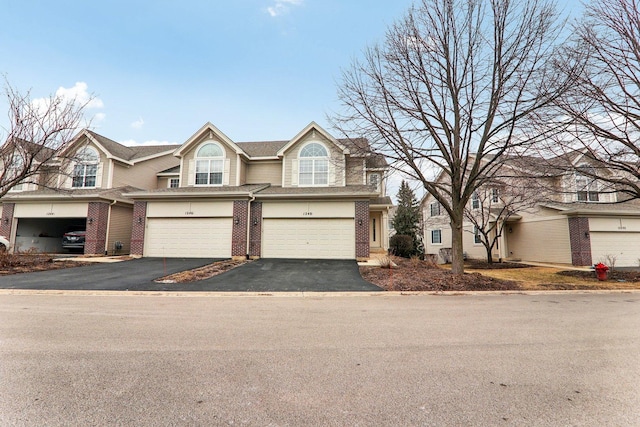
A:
(401, 245)
(385, 262)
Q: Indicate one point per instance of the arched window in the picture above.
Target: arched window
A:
(209, 164)
(86, 168)
(313, 166)
(586, 184)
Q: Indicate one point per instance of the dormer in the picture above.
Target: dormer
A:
(209, 159)
(313, 158)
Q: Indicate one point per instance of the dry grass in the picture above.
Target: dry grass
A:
(544, 278)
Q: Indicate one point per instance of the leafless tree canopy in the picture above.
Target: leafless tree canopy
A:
(603, 107)
(37, 132)
(452, 89)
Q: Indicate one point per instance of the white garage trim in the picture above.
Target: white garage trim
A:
(51, 210)
(625, 247)
(188, 237)
(320, 238)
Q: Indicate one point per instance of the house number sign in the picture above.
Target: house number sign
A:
(307, 213)
(188, 213)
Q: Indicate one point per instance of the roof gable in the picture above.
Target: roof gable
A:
(312, 127)
(211, 132)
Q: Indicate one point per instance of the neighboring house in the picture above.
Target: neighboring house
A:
(84, 188)
(312, 196)
(574, 220)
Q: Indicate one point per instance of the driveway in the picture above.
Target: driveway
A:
(137, 274)
(264, 275)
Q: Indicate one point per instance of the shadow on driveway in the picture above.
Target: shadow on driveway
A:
(263, 275)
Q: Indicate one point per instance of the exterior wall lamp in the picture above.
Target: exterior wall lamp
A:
(139, 220)
(89, 221)
(236, 220)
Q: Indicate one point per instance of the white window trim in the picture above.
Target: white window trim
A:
(172, 179)
(475, 199)
(431, 209)
(95, 163)
(223, 159)
(313, 173)
(431, 237)
(476, 232)
(379, 179)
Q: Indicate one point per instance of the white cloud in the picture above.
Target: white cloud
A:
(133, 142)
(138, 123)
(282, 6)
(79, 94)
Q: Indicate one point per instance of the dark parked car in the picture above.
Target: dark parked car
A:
(73, 240)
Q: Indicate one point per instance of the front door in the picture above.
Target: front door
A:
(375, 230)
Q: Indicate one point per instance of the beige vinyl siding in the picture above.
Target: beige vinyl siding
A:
(188, 166)
(355, 171)
(545, 240)
(143, 174)
(120, 226)
(243, 172)
(163, 182)
(336, 162)
(262, 172)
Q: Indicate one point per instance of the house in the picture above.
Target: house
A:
(313, 196)
(84, 188)
(564, 217)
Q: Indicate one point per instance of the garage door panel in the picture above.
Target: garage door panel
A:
(625, 247)
(188, 237)
(309, 238)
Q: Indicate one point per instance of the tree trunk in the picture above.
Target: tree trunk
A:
(489, 256)
(457, 250)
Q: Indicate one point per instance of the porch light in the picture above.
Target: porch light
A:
(6, 220)
(139, 220)
(359, 222)
(236, 220)
(89, 221)
(255, 221)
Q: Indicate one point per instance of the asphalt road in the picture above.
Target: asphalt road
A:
(512, 360)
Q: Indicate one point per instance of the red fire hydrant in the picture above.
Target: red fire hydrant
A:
(601, 271)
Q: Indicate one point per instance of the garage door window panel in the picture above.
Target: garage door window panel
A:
(209, 165)
(313, 169)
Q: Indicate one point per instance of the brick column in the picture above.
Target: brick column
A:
(7, 219)
(138, 228)
(239, 231)
(362, 230)
(580, 241)
(255, 235)
(97, 224)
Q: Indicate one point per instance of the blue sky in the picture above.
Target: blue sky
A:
(257, 69)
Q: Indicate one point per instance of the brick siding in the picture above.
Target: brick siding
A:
(362, 229)
(97, 225)
(7, 219)
(580, 241)
(138, 228)
(239, 231)
(255, 235)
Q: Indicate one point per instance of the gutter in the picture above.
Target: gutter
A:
(251, 199)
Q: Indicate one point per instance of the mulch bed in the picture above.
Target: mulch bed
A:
(417, 275)
(201, 273)
(617, 275)
(24, 263)
(476, 264)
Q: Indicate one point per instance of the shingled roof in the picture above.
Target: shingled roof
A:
(131, 153)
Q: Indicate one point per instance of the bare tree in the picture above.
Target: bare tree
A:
(452, 88)
(37, 132)
(499, 200)
(603, 107)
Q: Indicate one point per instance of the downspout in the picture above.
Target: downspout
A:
(106, 237)
(251, 199)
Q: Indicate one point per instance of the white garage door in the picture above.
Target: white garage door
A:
(625, 247)
(188, 237)
(309, 238)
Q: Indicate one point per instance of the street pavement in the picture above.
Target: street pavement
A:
(554, 359)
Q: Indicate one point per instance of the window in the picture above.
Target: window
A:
(374, 180)
(313, 167)
(495, 195)
(174, 182)
(586, 185)
(85, 170)
(14, 169)
(436, 237)
(435, 209)
(477, 238)
(475, 200)
(209, 164)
